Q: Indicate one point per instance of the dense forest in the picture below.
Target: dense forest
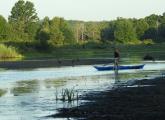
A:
(25, 31)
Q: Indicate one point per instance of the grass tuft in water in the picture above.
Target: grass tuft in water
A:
(67, 95)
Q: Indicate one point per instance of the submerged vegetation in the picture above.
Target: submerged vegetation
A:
(2, 92)
(55, 83)
(25, 32)
(23, 87)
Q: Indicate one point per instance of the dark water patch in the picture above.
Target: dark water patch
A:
(140, 103)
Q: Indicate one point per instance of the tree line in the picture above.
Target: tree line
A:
(24, 27)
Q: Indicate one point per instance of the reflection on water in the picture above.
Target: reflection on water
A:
(32, 94)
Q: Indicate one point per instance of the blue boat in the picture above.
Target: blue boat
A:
(121, 67)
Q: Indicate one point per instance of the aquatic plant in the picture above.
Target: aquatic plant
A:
(2, 92)
(56, 94)
(55, 83)
(67, 95)
(23, 87)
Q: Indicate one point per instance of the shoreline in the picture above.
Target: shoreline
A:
(28, 64)
(143, 100)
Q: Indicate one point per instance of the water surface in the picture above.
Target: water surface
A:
(31, 94)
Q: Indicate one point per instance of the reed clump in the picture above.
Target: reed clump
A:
(8, 52)
(67, 95)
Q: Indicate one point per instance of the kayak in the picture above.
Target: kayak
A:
(121, 67)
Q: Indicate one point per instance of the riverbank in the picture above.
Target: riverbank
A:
(24, 64)
(143, 100)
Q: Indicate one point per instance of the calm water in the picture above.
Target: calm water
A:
(31, 94)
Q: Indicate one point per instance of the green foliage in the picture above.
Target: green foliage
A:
(8, 52)
(56, 37)
(23, 11)
(43, 37)
(161, 32)
(22, 20)
(152, 20)
(3, 28)
(141, 26)
(108, 32)
(150, 33)
(55, 32)
(2, 92)
(25, 31)
(92, 31)
(148, 42)
(44, 33)
(124, 31)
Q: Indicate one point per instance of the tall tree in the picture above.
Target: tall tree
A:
(22, 16)
(92, 31)
(108, 32)
(44, 33)
(152, 20)
(124, 31)
(3, 28)
(56, 35)
(141, 26)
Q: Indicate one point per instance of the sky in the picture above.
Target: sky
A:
(91, 10)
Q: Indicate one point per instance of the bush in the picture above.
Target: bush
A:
(148, 42)
(134, 42)
(8, 52)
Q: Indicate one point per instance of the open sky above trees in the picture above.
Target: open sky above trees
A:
(93, 10)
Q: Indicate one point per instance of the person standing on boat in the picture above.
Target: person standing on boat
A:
(116, 63)
(116, 56)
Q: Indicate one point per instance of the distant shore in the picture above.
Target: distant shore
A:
(143, 100)
(52, 63)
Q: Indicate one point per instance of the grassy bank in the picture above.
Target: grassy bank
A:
(88, 50)
(100, 51)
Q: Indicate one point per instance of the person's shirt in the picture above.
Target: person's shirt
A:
(116, 54)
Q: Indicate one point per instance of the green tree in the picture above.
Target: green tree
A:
(141, 26)
(44, 33)
(124, 31)
(3, 28)
(56, 35)
(22, 16)
(108, 32)
(92, 31)
(152, 20)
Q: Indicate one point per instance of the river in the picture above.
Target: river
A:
(31, 93)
